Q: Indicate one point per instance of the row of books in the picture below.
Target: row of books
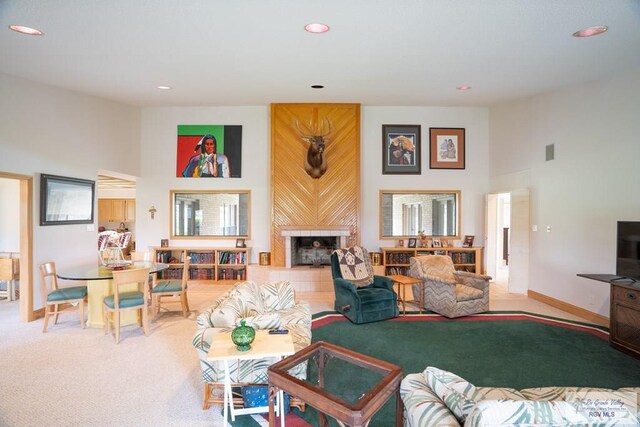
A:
(396, 270)
(398, 257)
(232, 274)
(201, 257)
(201, 274)
(225, 257)
(463, 257)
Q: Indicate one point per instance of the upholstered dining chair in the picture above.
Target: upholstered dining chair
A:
(57, 299)
(447, 291)
(123, 299)
(171, 288)
(361, 296)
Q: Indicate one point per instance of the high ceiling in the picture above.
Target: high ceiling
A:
(378, 52)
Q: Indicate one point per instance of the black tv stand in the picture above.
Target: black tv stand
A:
(624, 319)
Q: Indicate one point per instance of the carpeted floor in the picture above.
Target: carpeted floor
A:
(516, 350)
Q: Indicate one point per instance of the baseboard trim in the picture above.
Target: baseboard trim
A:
(570, 308)
(37, 314)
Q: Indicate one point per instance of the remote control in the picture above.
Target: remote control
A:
(278, 331)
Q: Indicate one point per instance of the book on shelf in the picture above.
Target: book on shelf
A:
(201, 257)
(232, 274)
(396, 270)
(229, 257)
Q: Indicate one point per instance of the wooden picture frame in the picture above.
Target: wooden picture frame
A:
(240, 243)
(164, 243)
(436, 243)
(401, 150)
(412, 243)
(468, 241)
(65, 200)
(446, 148)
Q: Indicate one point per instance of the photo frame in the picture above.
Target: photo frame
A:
(240, 243)
(411, 243)
(401, 243)
(164, 243)
(446, 148)
(436, 243)
(65, 200)
(468, 241)
(401, 150)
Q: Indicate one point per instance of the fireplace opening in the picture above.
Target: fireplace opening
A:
(314, 251)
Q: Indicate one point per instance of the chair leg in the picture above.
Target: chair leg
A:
(145, 320)
(105, 315)
(116, 315)
(186, 301)
(82, 313)
(46, 317)
(183, 302)
(55, 319)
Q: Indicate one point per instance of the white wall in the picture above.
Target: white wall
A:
(44, 129)
(159, 126)
(9, 215)
(591, 184)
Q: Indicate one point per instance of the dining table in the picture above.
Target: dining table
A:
(98, 279)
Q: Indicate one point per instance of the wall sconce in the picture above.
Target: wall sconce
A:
(152, 211)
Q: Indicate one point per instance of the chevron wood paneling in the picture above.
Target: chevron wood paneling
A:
(333, 200)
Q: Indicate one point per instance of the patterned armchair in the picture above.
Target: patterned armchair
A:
(265, 306)
(447, 291)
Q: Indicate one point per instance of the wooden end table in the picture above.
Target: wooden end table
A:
(264, 345)
(326, 362)
(402, 282)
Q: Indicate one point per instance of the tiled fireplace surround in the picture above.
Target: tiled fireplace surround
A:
(304, 278)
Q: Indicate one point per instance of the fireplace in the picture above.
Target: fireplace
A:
(312, 247)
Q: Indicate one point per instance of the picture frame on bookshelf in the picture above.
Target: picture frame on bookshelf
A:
(164, 243)
(401, 243)
(240, 243)
(436, 243)
(411, 243)
(468, 241)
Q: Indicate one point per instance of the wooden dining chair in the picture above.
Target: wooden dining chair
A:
(123, 299)
(59, 299)
(8, 275)
(171, 289)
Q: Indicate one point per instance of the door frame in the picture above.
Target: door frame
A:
(26, 244)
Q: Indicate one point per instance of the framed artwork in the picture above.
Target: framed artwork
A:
(411, 243)
(240, 243)
(164, 243)
(401, 150)
(446, 148)
(209, 151)
(401, 243)
(65, 200)
(436, 243)
(468, 241)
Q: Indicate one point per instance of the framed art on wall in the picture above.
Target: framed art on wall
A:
(401, 150)
(209, 151)
(446, 148)
(65, 200)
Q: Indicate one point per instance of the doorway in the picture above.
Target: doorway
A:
(507, 246)
(24, 199)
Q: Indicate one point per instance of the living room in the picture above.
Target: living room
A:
(579, 196)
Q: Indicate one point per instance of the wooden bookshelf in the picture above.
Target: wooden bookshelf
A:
(207, 265)
(396, 260)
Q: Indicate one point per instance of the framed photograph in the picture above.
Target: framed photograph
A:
(412, 243)
(164, 243)
(446, 148)
(401, 243)
(468, 241)
(401, 150)
(240, 243)
(65, 200)
(436, 243)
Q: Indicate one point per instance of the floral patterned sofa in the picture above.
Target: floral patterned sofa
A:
(264, 306)
(439, 398)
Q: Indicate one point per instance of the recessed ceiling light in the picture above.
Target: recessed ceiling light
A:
(164, 87)
(317, 86)
(26, 30)
(591, 31)
(316, 28)
(463, 87)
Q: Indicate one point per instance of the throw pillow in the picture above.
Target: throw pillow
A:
(263, 321)
(457, 393)
(277, 296)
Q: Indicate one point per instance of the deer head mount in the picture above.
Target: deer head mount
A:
(315, 163)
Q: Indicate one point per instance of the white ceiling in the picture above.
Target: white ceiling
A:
(378, 52)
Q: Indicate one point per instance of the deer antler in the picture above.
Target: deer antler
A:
(304, 135)
(329, 125)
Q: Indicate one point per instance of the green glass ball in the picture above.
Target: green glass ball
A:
(242, 336)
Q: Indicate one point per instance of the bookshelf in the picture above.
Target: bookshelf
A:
(396, 260)
(206, 265)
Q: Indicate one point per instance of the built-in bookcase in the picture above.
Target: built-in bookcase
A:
(206, 265)
(396, 260)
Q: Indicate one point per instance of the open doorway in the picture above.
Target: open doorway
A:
(507, 246)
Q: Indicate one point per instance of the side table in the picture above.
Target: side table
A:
(264, 345)
(402, 282)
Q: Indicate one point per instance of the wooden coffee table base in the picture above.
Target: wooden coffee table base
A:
(314, 394)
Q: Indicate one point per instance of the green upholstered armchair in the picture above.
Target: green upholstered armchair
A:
(370, 303)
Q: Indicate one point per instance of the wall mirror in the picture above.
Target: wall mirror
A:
(210, 214)
(405, 213)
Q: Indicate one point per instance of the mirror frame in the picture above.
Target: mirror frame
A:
(172, 195)
(458, 195)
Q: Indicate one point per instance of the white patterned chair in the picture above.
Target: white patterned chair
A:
(436, 397)
(264, 306)
(447, 291)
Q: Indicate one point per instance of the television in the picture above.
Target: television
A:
(628, 250)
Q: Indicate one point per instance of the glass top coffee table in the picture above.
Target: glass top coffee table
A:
(346, 385)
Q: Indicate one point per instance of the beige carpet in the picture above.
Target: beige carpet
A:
(75, 377)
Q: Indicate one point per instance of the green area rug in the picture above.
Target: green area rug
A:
(496, 349)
